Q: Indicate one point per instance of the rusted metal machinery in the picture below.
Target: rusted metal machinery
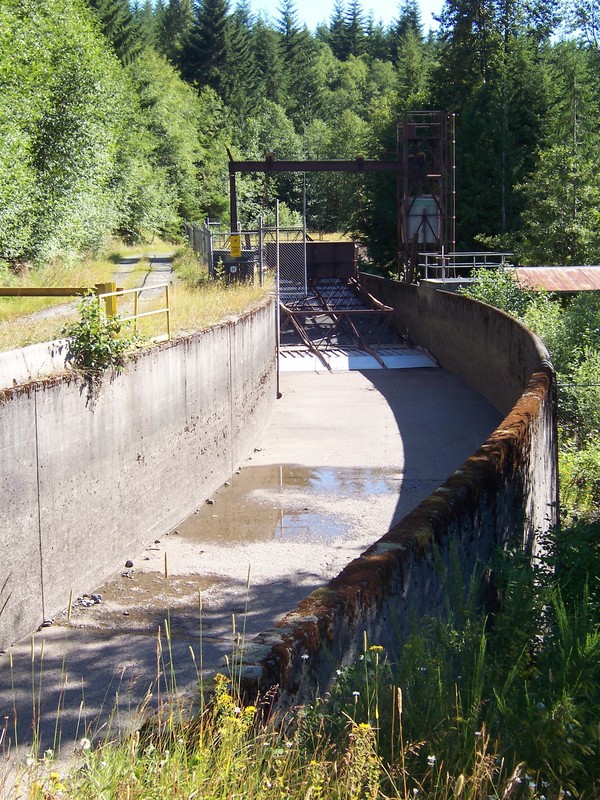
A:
(335, 313)
(425, 180)
(426, 187)
(330, 308)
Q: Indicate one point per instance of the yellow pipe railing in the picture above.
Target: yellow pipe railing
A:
(112, 296)
(109, 292)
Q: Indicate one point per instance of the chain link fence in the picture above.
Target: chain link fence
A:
(285, 253)
(259, 253)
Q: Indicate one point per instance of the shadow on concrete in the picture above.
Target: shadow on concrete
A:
(439, 427)
(89, 675)
(97, 681)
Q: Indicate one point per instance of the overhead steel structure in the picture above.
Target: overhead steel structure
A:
(426, 186)
(332, 311)
(425, 180)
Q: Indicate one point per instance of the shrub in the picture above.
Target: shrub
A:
(97, 341)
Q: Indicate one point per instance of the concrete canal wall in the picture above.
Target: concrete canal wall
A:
(506, 492)
(89, 474)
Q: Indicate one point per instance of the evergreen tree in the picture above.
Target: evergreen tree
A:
(205, 54)
(176, 21)
(287, 25)
(268, 57)
(304, 81)
(299, 51)
(241, 90)
(469, 40)
(118, 25)
(414, 65)
(337, 31)
(490, 71)
(146, 23)
(409, 21)
(377, 45)
(562, 195)
(354, 32)
(585, 20)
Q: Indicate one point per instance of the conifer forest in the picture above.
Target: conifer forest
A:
(116, 116)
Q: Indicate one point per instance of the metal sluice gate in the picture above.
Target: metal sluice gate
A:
(337, 325)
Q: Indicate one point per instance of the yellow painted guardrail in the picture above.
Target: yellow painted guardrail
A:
(110, 297)
(103, 291)
(61, 291)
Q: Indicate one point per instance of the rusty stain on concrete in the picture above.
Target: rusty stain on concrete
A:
(501, 472)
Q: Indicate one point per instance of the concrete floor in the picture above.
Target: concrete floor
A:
(345, 455)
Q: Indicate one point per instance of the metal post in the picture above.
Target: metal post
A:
(304, 237)
(110, 303)
(261, 264)
(136, 298)
(167, 297)
(232, 200)
(277, 311)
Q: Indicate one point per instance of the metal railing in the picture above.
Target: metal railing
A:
(456, 266)
(59, 291)
(109, 293)
(111, 299)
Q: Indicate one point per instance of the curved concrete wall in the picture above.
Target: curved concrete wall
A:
(89, 474)
(505, 492)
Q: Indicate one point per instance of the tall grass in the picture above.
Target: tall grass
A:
(196, 301)
(481, 706)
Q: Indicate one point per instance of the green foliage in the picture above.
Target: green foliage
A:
(61, 113)
(174, 25)
(579, 468)
(582, 323)
(89, 148)
(97, 341)
(486, 696)
(571, 333)
(172, 116)
(500, 289)
(118, 25)
(205, 54)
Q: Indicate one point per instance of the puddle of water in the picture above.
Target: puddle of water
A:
(286, 503)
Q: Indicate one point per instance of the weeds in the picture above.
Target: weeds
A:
(97, 341)
(463, 713)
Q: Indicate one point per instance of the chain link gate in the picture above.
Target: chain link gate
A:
(259, 254)
(285, 254)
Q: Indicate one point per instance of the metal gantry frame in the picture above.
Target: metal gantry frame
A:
(425, 214)
(427, 186)
(425, 178)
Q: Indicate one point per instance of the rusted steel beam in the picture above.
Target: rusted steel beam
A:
(375, 304)
(358, 164)
(302, 334)
(322, 312)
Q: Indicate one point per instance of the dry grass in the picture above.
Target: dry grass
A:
(196, 302)
(336, 236)
(198, 309)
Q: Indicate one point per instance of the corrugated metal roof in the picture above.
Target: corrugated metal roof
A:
(560, 279)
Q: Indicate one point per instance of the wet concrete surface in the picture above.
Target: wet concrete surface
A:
(344, 457)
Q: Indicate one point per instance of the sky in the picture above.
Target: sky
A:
(312, 12)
